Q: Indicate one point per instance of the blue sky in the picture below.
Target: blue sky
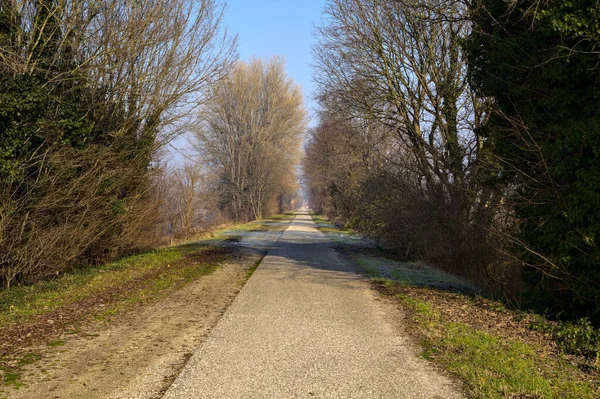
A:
(270, 27)
(266, 28)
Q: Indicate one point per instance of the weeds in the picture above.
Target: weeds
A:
(253, 268)
(29, 358)
(10, 371)
(13, 379)
(580, 338)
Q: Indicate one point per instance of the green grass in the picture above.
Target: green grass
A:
(286, 216)
(160, 270)
(160, 285)
(325, 225)
(266, 224)
(125, 283)
(493, 366)
(22, 302)
(13, 380)
(12, 374)
(148, 276)
(253, 268)
(29, 358)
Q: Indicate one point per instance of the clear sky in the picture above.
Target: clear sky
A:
(271, 27)
(266, 28)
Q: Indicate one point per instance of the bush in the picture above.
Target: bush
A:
(537, 61)
(580, 338)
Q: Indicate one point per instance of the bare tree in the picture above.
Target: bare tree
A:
(400, 64)
(106, 83)
(159, 56)
(251, 135)
(398, 67)
(186, 198)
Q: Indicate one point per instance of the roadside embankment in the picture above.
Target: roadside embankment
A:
(497, 352)
(124, 329)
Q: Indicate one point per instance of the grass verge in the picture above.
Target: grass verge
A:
(272, 223)
(253, 268)
(497, 352)
(326, 225)
(490, 348)
(47, 311)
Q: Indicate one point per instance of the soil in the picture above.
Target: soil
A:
(16, 338)
(138, 355)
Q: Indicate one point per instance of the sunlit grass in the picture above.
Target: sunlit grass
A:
(326, 225)
(158, 268)
(271, 223)
(493, 366)
(23, 302)
(147, 277)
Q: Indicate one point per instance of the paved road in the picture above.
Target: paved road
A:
(306, 326)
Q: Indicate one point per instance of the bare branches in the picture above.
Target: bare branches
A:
(251, 135)
(159, 56)
(92, 89)
(400, 64)
(396, 70)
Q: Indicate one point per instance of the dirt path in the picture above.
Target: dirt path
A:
(140, 355)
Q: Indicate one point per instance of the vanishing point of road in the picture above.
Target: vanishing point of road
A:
(306, 325)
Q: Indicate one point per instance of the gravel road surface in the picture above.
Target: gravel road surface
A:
(306, 325)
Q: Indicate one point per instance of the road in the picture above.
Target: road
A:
(306, 325)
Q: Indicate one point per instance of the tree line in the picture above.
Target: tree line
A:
(466, 134)
(91, 92)
(249, 139)
(246, 141)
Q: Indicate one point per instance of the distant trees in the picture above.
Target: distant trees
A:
(342, 164)
(183, 201)
(250, 138)
(89, 90)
